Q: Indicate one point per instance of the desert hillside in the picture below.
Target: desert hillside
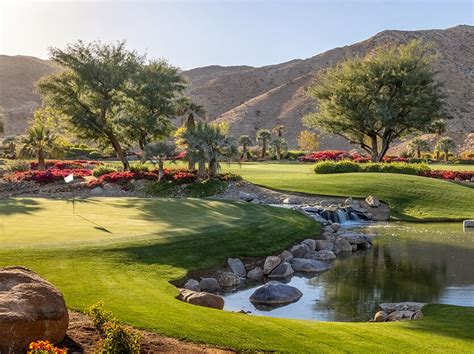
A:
(252, 98)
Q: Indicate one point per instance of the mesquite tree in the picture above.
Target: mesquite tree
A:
(374, 100)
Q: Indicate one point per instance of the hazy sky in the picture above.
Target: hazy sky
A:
(197, 33)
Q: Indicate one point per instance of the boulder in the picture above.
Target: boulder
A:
(328, 236)
(30, 309)
(248, 197)
(286, 256)
(355, 238)
(372, 201)
(324, 255)
(237, 266)
(309, 265)
(256, 201)
(255, 273)
(97, 191)
(400, 315)
(389, 307)
(113, 187)
(418, 315)
(293, 200)
(228, 279)
(310, 243)
(349, 201)
(335, 226)
(299, 251)
(201, 299)
(271, 262)
(343, 244)
(380, 316)
(324, 203)
(282, 271)
(209, 284)
(324, 245)
(192, 284)
(275, 293)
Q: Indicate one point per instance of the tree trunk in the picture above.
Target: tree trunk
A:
(437, 155)
(41, 162)
(446, 157)
(161, 170)
(264, 148)
(191, 165)
(190, 122)
(245, 153)
(120, 153)
(212, 168)
(201, 172)
(277, 153)
(374, 148)
(418, 153)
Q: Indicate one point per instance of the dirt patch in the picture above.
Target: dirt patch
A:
(83, 337)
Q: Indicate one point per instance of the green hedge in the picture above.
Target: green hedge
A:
(327, 167)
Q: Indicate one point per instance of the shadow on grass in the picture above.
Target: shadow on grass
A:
(18, 206)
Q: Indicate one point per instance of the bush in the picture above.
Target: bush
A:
(326, 167)
(103, 170)
(100, 316)
(229, 177)
(19, 166)
(44, 347)
(119, 339)
(293, 155)
(139, 168)
(162, 189)
(205, 188)
(449, 175)
(464, 162)
(46, 176)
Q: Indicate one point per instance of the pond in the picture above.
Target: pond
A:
(425, 262)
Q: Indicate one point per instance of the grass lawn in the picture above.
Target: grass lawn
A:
(164, 239)
(410, 197)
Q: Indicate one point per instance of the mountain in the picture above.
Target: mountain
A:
(251, 98)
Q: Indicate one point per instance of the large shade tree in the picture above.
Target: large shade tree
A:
(150, 102)
(91, 88)
(374, 100)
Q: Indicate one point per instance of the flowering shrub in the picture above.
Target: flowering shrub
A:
(44, 347)
(334, 155)
(65, 165)
(449, 175)
(46, 176)
(395, 159)
(123, 177)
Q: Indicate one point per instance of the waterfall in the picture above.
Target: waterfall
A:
(341, 216)
(354, 217)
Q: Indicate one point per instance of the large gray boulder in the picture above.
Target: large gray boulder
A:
(282, 271)
(248, 197)
(275, 293)
(192, 284)
(324, 255)
(309, 265)
(286, 256)
(209, 284)
(271, 262)
(343, 244)
(324, 245)
(30, 309)
(310, 243)
(299, 250)
(228, 279)
(389, 307)
(237, 266)
(255, 273)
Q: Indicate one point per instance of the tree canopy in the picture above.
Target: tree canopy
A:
(373, 100)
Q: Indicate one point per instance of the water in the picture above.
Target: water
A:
(431, 263)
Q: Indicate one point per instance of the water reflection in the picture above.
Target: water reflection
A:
(409, 262)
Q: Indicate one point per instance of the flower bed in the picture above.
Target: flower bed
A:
(47, 176)
(66, 165)
(333, 155)
(449, 175)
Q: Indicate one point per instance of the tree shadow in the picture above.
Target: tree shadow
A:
(13, 206)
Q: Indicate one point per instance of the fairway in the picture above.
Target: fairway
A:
(411, 198)
(131, 275)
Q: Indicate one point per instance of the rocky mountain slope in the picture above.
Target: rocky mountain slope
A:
(252, 98)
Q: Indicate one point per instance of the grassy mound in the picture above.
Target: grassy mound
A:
(167, 238)
(410, 197)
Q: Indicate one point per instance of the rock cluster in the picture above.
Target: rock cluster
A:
(399, 311)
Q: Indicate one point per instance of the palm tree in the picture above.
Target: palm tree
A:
(279, 146)
(279, 130)
(245, 141)
(438, 127)
(264, 136)
(38, 142)
(417, 145)
(158, 152)
(445, 145)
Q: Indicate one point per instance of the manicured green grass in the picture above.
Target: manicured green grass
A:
(410, 197)
(132, 275)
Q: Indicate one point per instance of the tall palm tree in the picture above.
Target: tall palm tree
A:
(245, 141)
(417, 145)
(279, 130)
(38, 142)
(445, 145)
(264, 137)
(158, 152)
(438, 127)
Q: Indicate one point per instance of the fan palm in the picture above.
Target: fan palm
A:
(445, 145)
(38, 142)
(245, 141)
(264, 136)
(158, 152)
(418, 145)
(279, 147)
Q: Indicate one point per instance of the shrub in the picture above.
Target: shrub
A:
(293, 155)
(464, 162)
(229, 177)
(103, 170)
(123, 177)
(100, 316)
(325, 167)
(205, 188)
(119, 339)
(162, 189)
(139, 168)
(46, 176)
(44, 347)
(19, 166)
(449, 175)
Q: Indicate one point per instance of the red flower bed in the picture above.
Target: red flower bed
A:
(395, 159)
(126, 176)
(334, 155)
(65, 165)
(48, 176)
(449, 175)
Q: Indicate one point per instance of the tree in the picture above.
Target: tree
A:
(445, 145)
(190, 110)
(308, 141)
(438, 127)
(245, 141)
(417, 145)
(38, 142)
(91, 89)
(264, 137)
(279, 147)
(279, 130)
(150, 102)
(158, 152)
(371, 101)
(208, 144)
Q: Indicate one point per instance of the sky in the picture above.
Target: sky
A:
(197, 33)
